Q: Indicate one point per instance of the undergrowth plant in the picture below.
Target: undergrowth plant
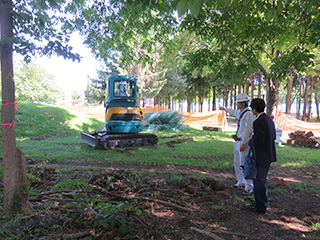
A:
(315, 226)
(106, 214)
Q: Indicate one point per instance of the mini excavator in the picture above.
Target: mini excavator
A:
(123, 118)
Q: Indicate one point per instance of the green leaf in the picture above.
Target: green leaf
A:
(246, 2)
(89, 188)
(279, 7)
(78, 196)
(82, 181)
(182, 7)
(104, 223)
(122, 227)
(94, 199)
(225, 3)
(269, 15)
(194, 7)
(138, 211)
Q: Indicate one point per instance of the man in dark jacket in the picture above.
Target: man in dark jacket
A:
(265, 153)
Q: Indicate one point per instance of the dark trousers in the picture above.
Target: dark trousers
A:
(260, 188)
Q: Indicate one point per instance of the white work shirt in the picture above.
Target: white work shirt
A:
(246, 123)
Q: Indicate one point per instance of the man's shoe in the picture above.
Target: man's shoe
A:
(236, 186)
(247, 191)
(254, 209)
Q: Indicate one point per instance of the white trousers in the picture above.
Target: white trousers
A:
(239, 159)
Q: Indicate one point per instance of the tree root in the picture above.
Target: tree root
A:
(207, 233)
(211, 233)
(151, 199)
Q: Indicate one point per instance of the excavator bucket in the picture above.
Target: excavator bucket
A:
(89, 139)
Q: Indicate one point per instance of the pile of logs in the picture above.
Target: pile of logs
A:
(301, 138)
(208, 128)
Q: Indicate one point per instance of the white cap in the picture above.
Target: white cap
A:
(242, 97)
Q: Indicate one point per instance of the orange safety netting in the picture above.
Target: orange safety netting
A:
(214, 118)
(156, 108)
(288, 123)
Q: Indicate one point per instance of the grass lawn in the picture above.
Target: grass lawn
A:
(49, 134)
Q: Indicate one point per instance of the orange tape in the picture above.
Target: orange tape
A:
(16, 105)
(8, 124)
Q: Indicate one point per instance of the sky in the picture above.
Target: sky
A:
(69, 75)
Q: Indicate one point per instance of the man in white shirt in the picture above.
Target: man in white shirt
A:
(244, 117)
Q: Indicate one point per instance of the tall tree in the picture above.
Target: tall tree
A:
(27, 27)
(14, 170)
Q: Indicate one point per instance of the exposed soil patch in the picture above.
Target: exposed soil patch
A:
(177, 205)
(171, 144)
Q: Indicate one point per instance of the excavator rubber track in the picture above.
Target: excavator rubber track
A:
(119, 141)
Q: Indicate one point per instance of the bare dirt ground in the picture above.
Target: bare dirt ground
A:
(189, 208)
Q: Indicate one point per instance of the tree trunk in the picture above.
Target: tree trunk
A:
(304, 115)
(247, 84)
(231, 95)
(272, 95)
(180, 105)
(289, 95)
(252, 86)
(310, 99)
(209, 100)
(189, 100)
(195, 101)
(235, 97)
(316, 97)
(214, 98)
(156, 100)
(14, 167)
(259, 86)
(300, 93)
(200, 98)
(226, 96)
(239, 88)
(317, 105)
